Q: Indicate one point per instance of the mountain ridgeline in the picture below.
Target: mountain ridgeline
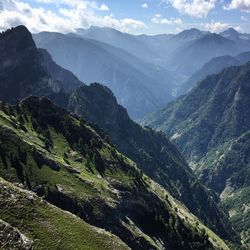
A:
(26, 70)
(103, 167)
(175, 52)
(214, 66)
(210, 126)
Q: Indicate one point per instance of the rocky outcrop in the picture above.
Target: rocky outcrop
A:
(12, 239)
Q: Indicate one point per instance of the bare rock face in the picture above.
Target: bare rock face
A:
(26, 70)
(12, 239)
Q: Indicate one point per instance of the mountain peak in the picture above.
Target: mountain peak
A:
(190, 34)
(214, 37)
(17, 29)
(18, 38)
(103, 29)
(230, 33)
(31, 71)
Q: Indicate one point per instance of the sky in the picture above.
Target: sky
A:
(131, 16)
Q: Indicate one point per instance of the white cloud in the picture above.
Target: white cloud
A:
(70, 15)
(243, 18)
(217, 27)
(132, 23)
(70, 3)
(36, 19)
(104, 7)
(171, 21)
(178, 30)
(239, 29)
(194, 8)
(242, 5)
(145, 6)
(76, 4)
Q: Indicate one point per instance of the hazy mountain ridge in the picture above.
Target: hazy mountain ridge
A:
(118, 39)
(144, 72)
(205, 46)
(182, 53)
(190, 56)
(138, 86)
(214, 66)
(233, 34)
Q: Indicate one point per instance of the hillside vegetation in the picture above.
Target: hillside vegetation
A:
(73, 166)
(210, 126)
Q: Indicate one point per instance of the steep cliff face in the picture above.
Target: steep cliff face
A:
(26, 70)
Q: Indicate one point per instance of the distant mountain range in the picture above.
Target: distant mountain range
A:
(70, 161)
(233, 34)
(125, 41)
(214, 66)
(139, 86)
(182, 53)
(144, 72)
(191, 55)
(210, 125)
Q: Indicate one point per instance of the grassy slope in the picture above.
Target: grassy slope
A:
(57, 166)
(48, 226)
